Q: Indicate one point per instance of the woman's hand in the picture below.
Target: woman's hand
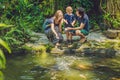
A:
(57, 37)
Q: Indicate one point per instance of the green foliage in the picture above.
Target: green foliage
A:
(48, 47)
(2, 57)
(115, 23)
(87, 4)
(5, 45)
(1, 76)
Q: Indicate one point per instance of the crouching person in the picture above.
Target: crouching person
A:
(83, 29)
(52, 28)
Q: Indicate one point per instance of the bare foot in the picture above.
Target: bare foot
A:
(82, 40)
(57, 45)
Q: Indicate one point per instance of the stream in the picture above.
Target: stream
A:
(45, 66)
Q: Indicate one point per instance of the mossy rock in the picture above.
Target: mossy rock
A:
(112, 34)
(35, 48)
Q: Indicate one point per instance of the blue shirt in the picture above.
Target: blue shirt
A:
(84, 20)
(47, 23)
(69, 18)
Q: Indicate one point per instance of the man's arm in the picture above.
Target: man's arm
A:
(80, 27)
(73, 23)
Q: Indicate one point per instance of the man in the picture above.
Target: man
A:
(83, 29)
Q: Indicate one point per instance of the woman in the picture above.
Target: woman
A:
(83, 29)
(53, 27)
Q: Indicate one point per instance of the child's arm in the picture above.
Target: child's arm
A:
(74, 20)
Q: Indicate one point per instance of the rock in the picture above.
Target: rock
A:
(34, 48)
(33, 39)
(112, 34)
(119, 35)
(56, 51)
(96, 36)
(114, 78)
(84, 67)
(100, 52)
(38, 68)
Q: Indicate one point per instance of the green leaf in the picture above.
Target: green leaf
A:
(5, 45)
(1, 76)
(2, 26)
(2, 59)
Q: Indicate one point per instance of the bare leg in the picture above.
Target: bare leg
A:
(82, 36)
(67, 35)
(70, 37)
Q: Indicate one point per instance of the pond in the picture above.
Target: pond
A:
(45, 66)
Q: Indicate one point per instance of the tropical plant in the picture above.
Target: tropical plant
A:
(2, 57)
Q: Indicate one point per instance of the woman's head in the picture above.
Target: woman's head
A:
(80, 11)
(69, 9)
(58, 15)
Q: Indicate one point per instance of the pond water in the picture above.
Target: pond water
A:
(45, 66)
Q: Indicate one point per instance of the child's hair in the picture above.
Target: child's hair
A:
(69, 9)
(58, 14)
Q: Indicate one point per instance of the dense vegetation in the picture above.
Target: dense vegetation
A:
(18, 18)
(28, 15)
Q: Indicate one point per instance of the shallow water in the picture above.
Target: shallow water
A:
(66, 67)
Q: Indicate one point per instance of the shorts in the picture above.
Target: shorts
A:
(83, 31)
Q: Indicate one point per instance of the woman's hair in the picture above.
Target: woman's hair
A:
(69, 9)
(58, 14)
(81, 11)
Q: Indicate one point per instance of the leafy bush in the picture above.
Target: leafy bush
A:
(113, 22)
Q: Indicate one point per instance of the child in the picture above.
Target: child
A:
(69, 20)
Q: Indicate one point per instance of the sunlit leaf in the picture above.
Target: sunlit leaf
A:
(1, 76)
(5, 45)
(2, 59)
(2, 26)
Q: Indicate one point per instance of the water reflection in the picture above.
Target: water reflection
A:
(66, 67)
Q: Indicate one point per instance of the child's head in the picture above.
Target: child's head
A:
(69, 9)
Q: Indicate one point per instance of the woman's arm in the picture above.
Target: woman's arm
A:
(80, 27)
(60, 25)
(53, 29)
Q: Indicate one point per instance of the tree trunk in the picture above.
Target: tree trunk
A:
(113, 9)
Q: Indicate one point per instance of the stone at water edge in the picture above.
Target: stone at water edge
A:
(56, 51)
(84, 67)
(34, 48)
(112, 34)
(100, 52)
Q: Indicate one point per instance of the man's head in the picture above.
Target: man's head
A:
(80, 11)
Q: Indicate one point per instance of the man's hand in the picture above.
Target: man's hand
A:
(70, 28)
